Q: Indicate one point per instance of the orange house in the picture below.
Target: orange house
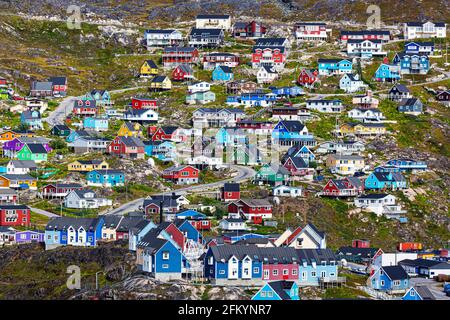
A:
(10, 135)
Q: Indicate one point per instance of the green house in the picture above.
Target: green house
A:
(60, 130)
(4, 95)
(33, 151)
(273, 175)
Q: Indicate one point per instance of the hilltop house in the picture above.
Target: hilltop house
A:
(266, 74)
(213, 21)
(182, 174)
(59, 86)
(387, 73)
(160, 83)
(365, 48)
(200, 97)
(351, 83)
(399, 92)
(85, 199)
(249, 30)
(96, 124)
(386, 180)
(148, 69)
(59, 190)
(366, 101)
(428, 29)
(416, 47)
(12, 215)
(85, 108)
(411, 106)
(101, 97)
(372, 34)
(328, 67)
(327, 106)
(20, 166)
(130, 129)
(183, 72)
(139, 103)
(311, 31)
(87, 165)
(412, 63)
(307, 77)
(173, 56)
(346, 187)
(391, 279)
(270, 52)
(272, 175)
(162, 38)
(380, 204)
(142, 116)
(105, 178)
(32, 119)
(18, 181)
(33, 151)
(222, 73)
(216, 117)
(345, 164)
(206, 37)
(129, 147)
(41, 89)
(215, 59)
(60, 130)
(366, 115)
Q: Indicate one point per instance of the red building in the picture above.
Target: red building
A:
(409, 246)
(14, 215)
(130, 147)
(183, 72)
(254, 210)
(361, 243)
(279, 271)
(297, 167)
(271, 56)
(144, 103)
(230, 192)
(59, 86)
(382, 35)
(200, 224)
(162, 133)
(181, 174)
(59, 190)
(174, 233)
(174, 56)
(249, 30)
(307, 77)
(2, 82)
(85, 108)
(212, 60)
(341, 188)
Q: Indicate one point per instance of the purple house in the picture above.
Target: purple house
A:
(29, 236)
(10, 148)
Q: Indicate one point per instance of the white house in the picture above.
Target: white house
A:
(342, 147)
(414, 30)
(380, 204)
(199, 87)
(287, 191)
(233, 224)
(162, 38)
(345, 164)
(366, 115)
(216, 117)
(20, 166)
(140, 115)
(326, 106)
(85, 199)
(383, 259)
(366, 100)
(351, 83)
(365, 48)
(266, 74)
(213, 21)
(311, 31)
(308, 237)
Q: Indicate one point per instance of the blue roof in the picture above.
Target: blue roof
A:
(190, 214)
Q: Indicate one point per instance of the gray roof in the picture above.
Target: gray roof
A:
(23, 164)
(315, 255)
(424, 293)
(41, 85)
(63, 223)
(268, 255)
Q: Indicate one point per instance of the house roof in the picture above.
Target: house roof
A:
(408, 102)
(315, 255)
(63, 223)
(83, 192)
(225, 69)
(280, 288)
(169, 129)
(87, 162)
(30, 164)
(420, 24)
(36, 148)
(196, 32)
(373, 196)
(213, 16)
(234, 220)
(426, 263)
(159, 79)
(256, 202)
(364, 32)
(18, 177)
(424, 293)
(292, 126)
(179, 49)
(186, 68)
(28, 114)
(58, 81)
(231, 187)
(270, 42)
(267, 255)
(65, 185)
(13, 207)
(108, 171)
(131, 141)
(111, 221)
(395, 272)
(159, 31)
(61, 127)
(127, 223)
(269, 69)
(41, 85)
(365, 252)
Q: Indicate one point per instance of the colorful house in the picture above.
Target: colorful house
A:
(96, 124)
(345, 164)
(230, 192)
(272, 175)
(85, 108)
(411, 106)
(222, 73)
(33, 151)
(14, 215)
(412, 63)
(390, 279)
(66, 231)
(87, 165)
(181, 174)
(307, 77)
(144, 103)
(418, 293)
(386, 180)
(129, 147)
(289, 133)
(200, 97)
(162, 150)
(183, 72)
(141, 115)
(254, 210)
(408, 164)
(278, 290)
(130, 129)
(149, 69)
(387, 73)
(60, 130)
(101, 97)
(18, 181)
(32, 118)
(160, 83)
(317, 267)
(329, 67)
(105, 178)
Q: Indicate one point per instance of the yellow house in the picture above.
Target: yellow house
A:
(149, 69)
(18, 181)
(362, 129)
(160, 83)
(345, 164)
(130, 129)
(87, 165)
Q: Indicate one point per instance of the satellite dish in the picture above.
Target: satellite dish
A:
(276, 200)
(344, 262)
(151, 162)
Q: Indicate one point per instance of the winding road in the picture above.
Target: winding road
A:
(244, 173)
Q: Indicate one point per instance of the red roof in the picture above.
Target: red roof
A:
(293, 235)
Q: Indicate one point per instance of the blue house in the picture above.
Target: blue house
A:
(190, 214)
(162, 150)
(418, 293)
(67, 231)
(222, 73)
(293, 91)
(411, 106)
(76, 134)
(31, 118)
(386, 180)
(160, 256)
(316, 265)
(231, 136)
(391, 279)
(387, 73)
(329, 67)
(412, 63)
(253, 99)
(278, 290)
(138, 232)
(419, 48)
(300, 152)
(105, 178)
(408, 164)
(289, 133)
(96, 124)
(188, 230)
(101, 97)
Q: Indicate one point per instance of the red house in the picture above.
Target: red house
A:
(274, 56)
(307, 77)
(297, 167)
(130, 147)
(200, 224)
(59, 190)
(230, 192)
(85, 108)
(59, 86)
(361, 243)
(144, 103)
(340, 188)
(14, 215)
(254, 210)
(249, 30)
(181, 174)
(162, 133)
(174, 233)
(2, 82)
(173, 56)
(183, 72)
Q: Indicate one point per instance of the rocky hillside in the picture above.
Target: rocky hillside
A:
(179, 10)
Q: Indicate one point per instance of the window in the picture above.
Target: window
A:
(256, 270)
(382, 283)
(221, 271)
(263, 294)
(165, 266)
(285, 272)
(165, 255)
(412, 293)
(275, 272)
(396, 283)
(294, 272)
(313, 274)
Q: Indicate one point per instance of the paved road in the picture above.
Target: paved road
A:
(436, 288)
(44, 213)
(244, 173)
(58, 115)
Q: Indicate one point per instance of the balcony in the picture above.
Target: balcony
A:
(326, 282)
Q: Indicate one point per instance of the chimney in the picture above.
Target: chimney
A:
(161, 206)
(174, 196)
